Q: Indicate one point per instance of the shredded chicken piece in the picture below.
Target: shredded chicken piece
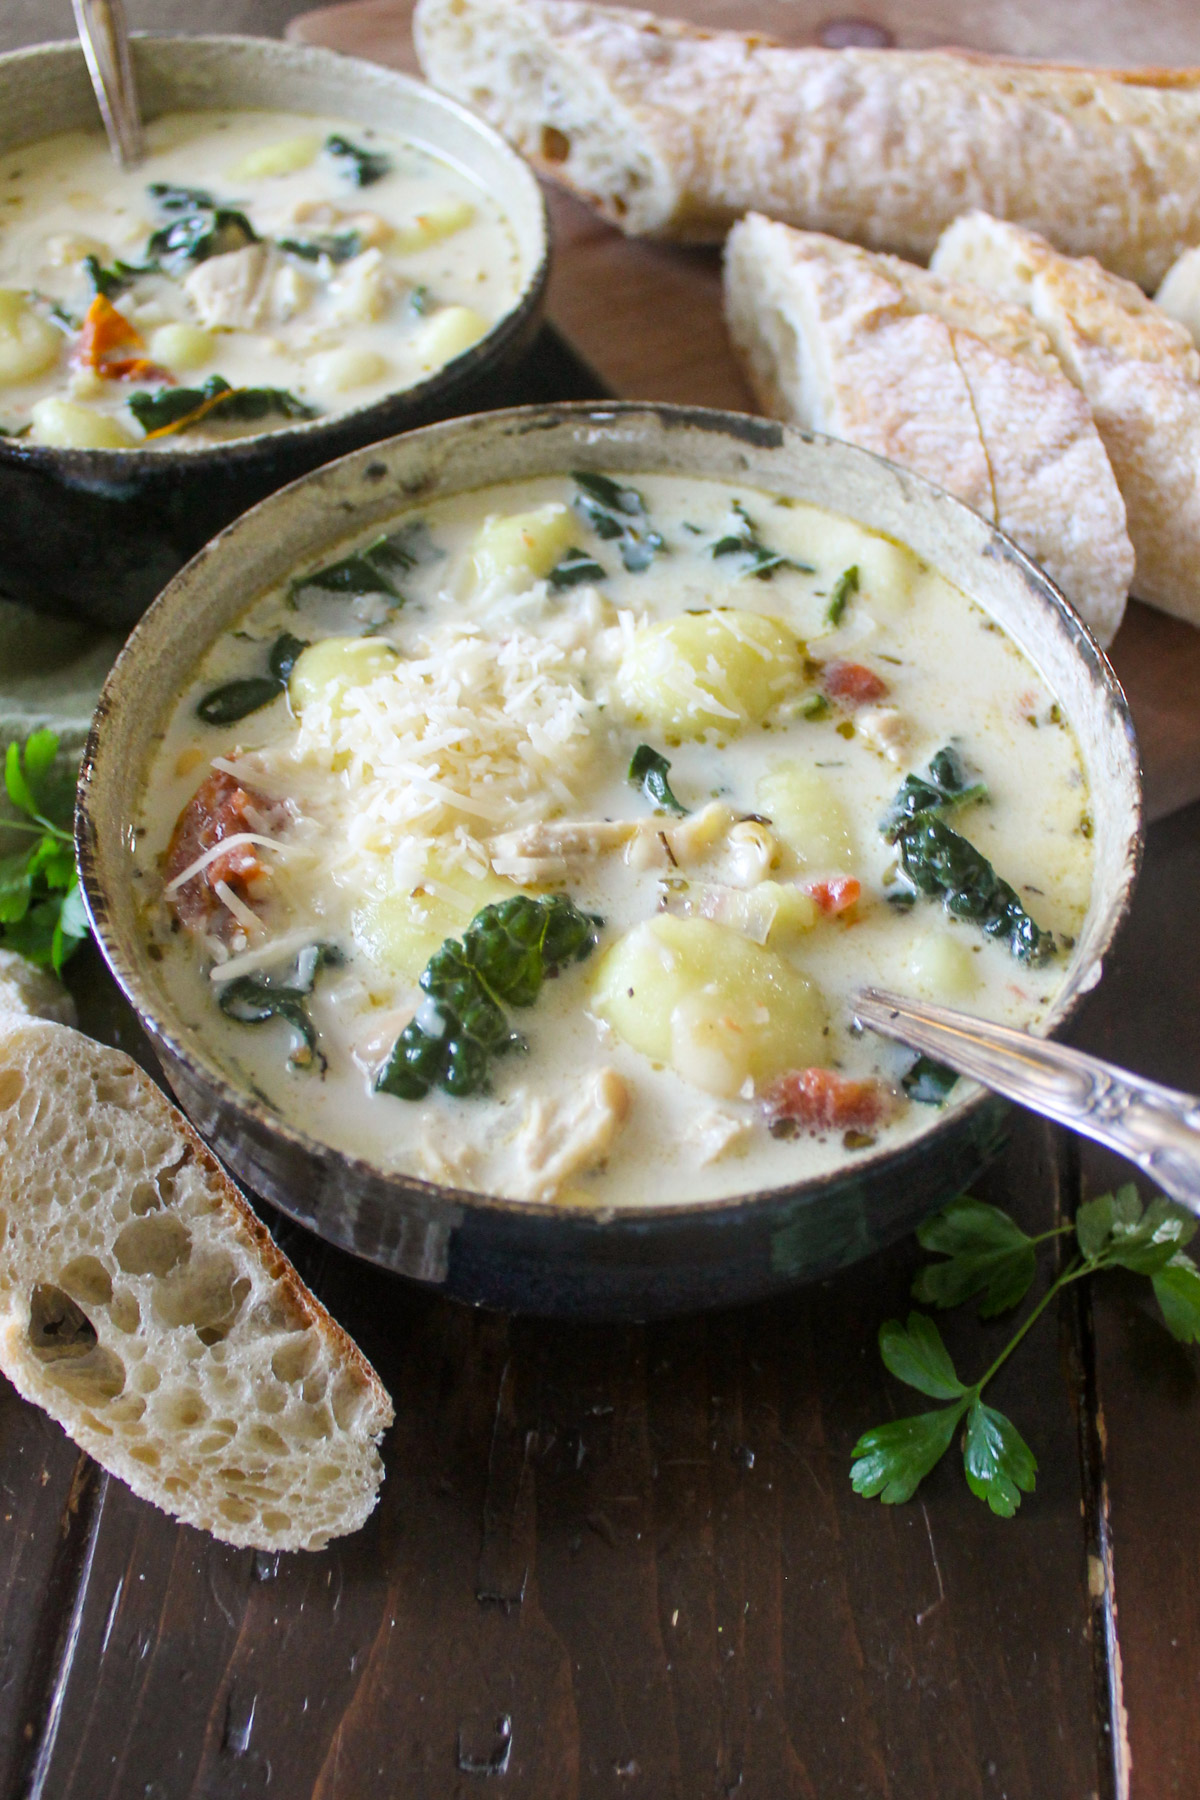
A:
(246, 288)
(549, 854)
(886, 728)
(542, 855)
(718, 1133)
(371, 227)
(567, 1136)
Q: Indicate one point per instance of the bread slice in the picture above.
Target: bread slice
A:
(1140, 373)
(941, 378)
(675, 131)
(1179, 294)
(34, 992)
(147, 1310)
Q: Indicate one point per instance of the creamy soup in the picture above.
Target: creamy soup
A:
(539, 844)
(255, 269)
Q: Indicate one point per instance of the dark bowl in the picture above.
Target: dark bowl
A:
(96, 534)
(635, 1259)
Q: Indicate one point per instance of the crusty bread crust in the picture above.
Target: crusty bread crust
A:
(942, 378)
(1140, 373)
(674, 131)
(146, 1309)
(35, 992)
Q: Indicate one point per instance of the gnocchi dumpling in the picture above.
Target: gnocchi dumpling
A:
(807, 814)
(70, 426)
(281, 158)
(327, 669)
(446, 334)
(943, 967)
(432, 225)
(400, 932)
(29, 344)
(521, 547)
(723, 1012)
(709, 672)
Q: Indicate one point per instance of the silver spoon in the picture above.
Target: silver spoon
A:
(1156, 1128)
(104, 35)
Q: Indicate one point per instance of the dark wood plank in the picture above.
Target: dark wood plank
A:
(1145, 1016)
(613, 1560)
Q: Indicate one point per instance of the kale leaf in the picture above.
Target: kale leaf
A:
(254, 999)
(648, 771)
(174, 409)
(377, 567)
(744, 540)
(928, 1083)
(113, 281)
(845, 585)
(197, 225)
(573, 567)
(945, 784)
(506, 953)
(237, 699)
(339, 246)
(619, 515)
(361, 166)
(939, 863)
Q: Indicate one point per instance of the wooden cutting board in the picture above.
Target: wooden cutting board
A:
(647, 317)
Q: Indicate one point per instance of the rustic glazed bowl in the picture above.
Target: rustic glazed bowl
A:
(637, 1258)
(96, 533)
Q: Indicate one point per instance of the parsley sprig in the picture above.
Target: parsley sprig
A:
(41, 907)
(988, 1258)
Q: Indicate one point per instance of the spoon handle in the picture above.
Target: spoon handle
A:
(105, 39)
(1157, 1128)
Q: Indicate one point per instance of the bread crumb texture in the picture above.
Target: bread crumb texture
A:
(147, 1310)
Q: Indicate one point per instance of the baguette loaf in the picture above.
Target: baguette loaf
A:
(146, 1309)
(674, 131)
(1179, 295)
(941, 378)
(1140, 373)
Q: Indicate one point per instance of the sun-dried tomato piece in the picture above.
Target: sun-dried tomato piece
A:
(836, 894)
(220, 808)
(852, 684)
(823, 1100)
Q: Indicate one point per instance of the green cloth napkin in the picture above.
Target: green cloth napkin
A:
(51, 671)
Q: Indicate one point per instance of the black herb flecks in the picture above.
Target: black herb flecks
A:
(235, 700)
(254, 999)
(503, 958)
(618, 515)
(649, 771)
(360, 166)
(744, 541)
(175, 409)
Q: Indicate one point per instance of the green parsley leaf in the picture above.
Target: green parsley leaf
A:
(988, 1254)
(915, 1354)
(999, 1463)
(1149, 1245)
(892, 1460)
(1096, 1219)
(1177, 1290)
(41, 909)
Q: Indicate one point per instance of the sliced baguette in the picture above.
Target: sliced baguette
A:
(941, 378)
(34, 992)
(674, 131)
(1140, 372)
(1179, 294)
(147, 1310)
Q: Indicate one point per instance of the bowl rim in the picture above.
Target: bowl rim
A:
(433, 1197)
(133, 459)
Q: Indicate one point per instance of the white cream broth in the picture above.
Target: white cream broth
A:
(434, 764)
(382, 285)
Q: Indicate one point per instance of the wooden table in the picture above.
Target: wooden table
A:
(623, 1560)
